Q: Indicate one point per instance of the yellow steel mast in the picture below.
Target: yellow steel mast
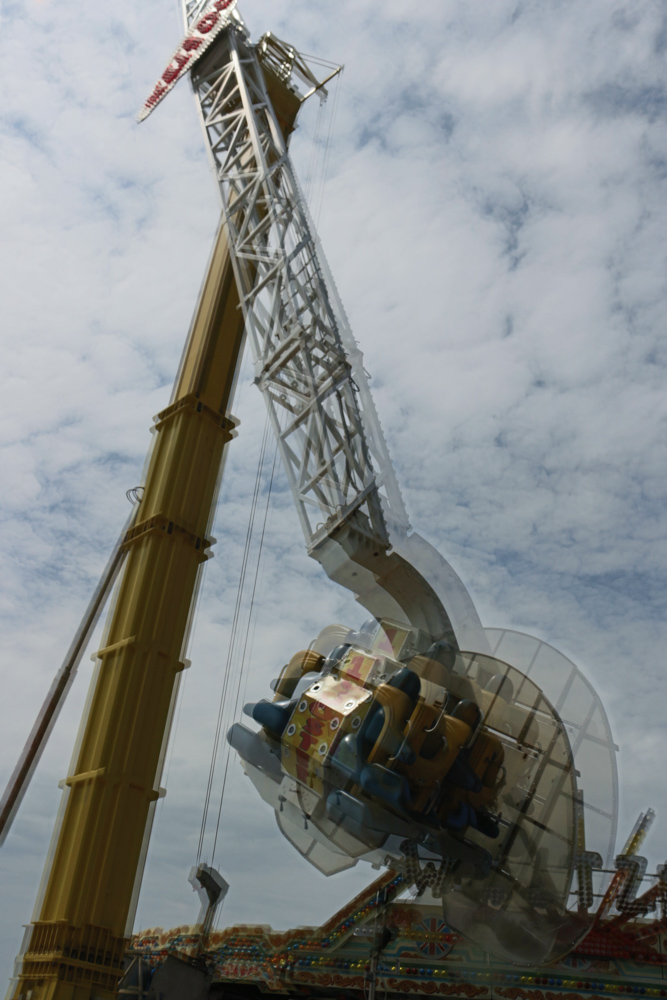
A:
(76, 943)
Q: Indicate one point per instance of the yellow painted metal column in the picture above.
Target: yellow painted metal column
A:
(78, 940)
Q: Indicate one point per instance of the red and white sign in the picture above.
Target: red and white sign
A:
(199, 37)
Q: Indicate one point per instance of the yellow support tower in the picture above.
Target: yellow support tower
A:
(76, 944)
(78, 940)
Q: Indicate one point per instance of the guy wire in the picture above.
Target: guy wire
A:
(314, 153)
(232, 640)
(318, 198)
(244, 660)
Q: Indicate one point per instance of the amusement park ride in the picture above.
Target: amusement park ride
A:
(474, 766)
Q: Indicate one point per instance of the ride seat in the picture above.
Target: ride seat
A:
(427, 775)
(463, 689)
(304, 662)
(431, 670)
(486, 757)
(385, 730)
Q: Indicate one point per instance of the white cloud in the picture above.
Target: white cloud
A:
(494, 217)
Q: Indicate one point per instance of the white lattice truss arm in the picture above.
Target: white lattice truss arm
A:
(307, 363)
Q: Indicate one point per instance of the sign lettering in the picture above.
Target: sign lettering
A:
(192, 48)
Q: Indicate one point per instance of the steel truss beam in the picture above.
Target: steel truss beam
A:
(307, 362)
(315, 389)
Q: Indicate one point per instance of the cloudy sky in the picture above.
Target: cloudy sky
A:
(494, 213)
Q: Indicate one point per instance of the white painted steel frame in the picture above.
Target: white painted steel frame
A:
(307, 363)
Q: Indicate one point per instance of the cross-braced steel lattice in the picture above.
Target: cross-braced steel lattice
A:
(306, 360)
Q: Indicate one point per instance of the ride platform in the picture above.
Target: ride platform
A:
(380, 944)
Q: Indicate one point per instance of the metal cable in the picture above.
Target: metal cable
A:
(244, 661)
(232, 642)
(319, 199)
(314, 153)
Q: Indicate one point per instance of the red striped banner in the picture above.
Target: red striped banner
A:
(198, 39)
